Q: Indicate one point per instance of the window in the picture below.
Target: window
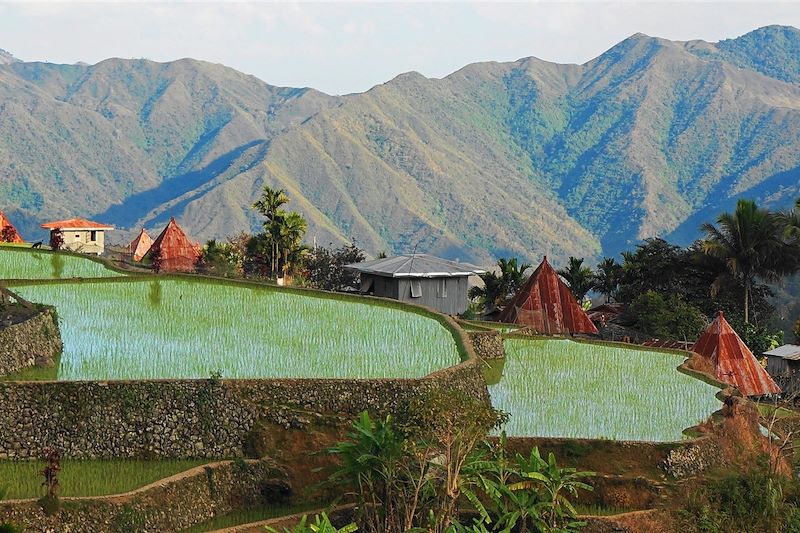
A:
(416, 288)
(441, 288)
(93, 236)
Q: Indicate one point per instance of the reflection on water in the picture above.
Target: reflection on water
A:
(155, 294)
(57, 263)
(493, 370)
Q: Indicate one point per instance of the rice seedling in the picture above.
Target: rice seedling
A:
(17, 263)
(89, 477)
(562, 388)
(247, 516)
(147, 329)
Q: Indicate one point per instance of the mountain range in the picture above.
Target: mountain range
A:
(526, 158)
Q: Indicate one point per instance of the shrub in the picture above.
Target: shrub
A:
(325, 267)
(670, 318)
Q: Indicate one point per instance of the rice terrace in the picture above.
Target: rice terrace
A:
(522, 297)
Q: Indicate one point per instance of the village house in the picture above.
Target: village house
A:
(783, 364)
(80, 235)
(420, 279)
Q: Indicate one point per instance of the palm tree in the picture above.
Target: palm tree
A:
(790, 220)
(291, 232)
(607, 276)
(497, 288)
(580, 278)
(270, 205)
(749, 242)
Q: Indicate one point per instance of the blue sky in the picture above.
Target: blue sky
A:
(350, 47)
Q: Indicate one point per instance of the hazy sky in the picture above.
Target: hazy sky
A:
(349, 47)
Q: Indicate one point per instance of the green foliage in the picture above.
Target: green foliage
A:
(220, 259)
(753, 501)
(277, 250)
(607, 277)
(580, 278)
(797, 330)
(324, 267)
(758, 338)
(322, 524)
(499, 288)
(667, 318)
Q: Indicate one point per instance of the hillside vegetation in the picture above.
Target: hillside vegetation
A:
(651, 138)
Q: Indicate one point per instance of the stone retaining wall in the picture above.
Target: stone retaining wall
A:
(168, 505)
(488, 344)
(37, 340)
(195, 418)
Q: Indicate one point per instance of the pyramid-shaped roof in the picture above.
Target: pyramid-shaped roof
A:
(5, 223)
(546, 304)
(733, 361)
(177, 252)
(140, 245)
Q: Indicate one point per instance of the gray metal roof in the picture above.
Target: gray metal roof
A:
(415, 266)
(787, 351)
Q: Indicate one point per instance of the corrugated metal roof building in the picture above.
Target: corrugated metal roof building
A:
(173, 249)
(140, 245)
(733, 361)
(80, 235)
(12, 235)
(546, 305)
(783, 365)
(418, 278)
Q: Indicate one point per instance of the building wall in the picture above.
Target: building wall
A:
(81, 241)
(785, 373)
(454, 303)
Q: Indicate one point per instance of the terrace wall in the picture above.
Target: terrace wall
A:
(168, 505)
(195, 418)
(35, 341)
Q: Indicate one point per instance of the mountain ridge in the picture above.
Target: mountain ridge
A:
(497, 158)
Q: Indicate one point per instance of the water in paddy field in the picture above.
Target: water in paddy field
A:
(562, 388)
(193, 329)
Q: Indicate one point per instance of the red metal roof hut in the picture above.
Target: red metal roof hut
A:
(733, 361)
(12, 235)
(546, 304)
(140, 245)
(174, 250)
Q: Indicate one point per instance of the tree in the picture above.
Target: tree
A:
(606, 277)
(749, 242)
(56, 239)
(579, 278)
(797, 330)
(324, 267)
(667, 318)
(219, 259)
(655, 265)
(497, 289)
(291, 232)
(270, 206)
(8, 234)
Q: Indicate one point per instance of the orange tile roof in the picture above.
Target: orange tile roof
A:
(75, 223)
(5, 223)
(733, 361)
(546, 304)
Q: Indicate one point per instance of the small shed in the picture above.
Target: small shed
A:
(418, 278)
(545, 304)
(173, 251)
(8, 233)
(733, 361)
(80, 235)
(783, 364)
(140, 245)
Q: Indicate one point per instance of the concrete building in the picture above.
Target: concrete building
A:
(420, 279)
(80, 235)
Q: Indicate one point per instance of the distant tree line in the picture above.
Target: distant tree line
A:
(670, 291)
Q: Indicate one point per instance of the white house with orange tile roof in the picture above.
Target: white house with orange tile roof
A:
(80, 235)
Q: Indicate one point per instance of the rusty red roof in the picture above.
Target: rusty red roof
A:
(177, 252)
(140, 245)
(5, 223)
(733, 361)
(76, 223)
(546, 304)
